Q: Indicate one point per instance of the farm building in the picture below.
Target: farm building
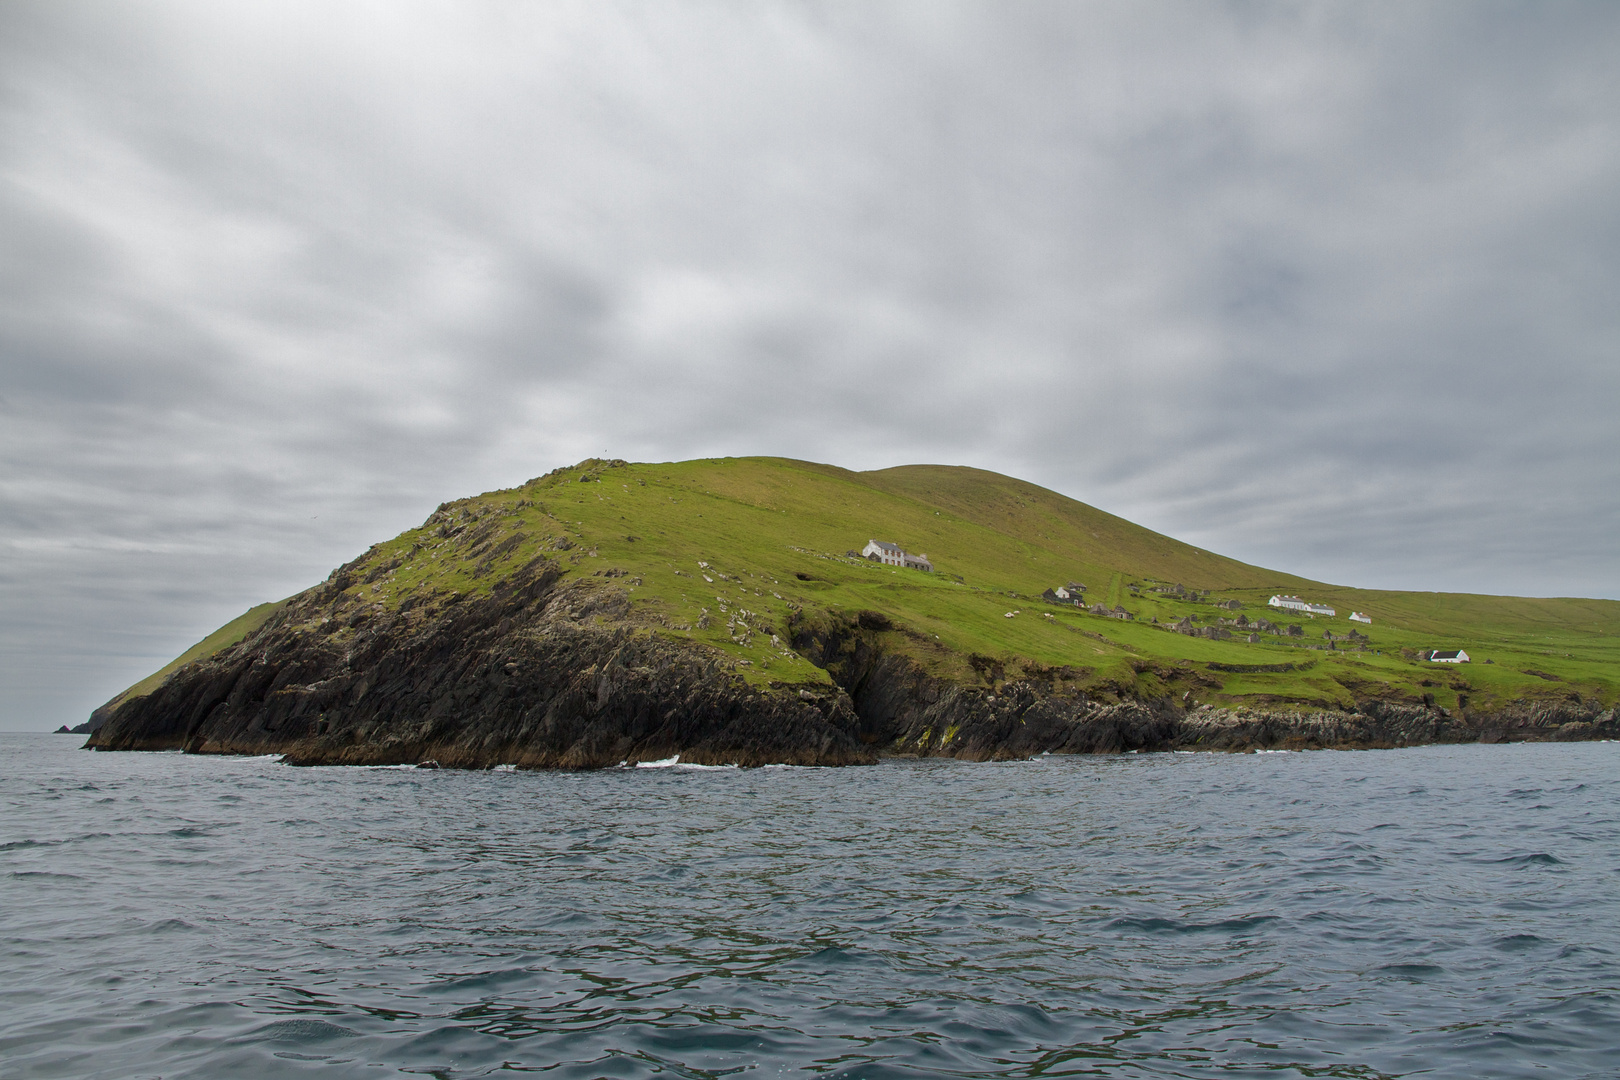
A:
(1072, 594)
(894, 555)
(1451, 656)
(1356, 616)
(1294, 603)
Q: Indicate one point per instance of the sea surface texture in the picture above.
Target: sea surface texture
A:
(1435, 912)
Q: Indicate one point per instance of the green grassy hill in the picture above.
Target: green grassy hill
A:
(229, 634)
(732, 552)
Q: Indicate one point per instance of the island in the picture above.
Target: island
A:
(722, 611)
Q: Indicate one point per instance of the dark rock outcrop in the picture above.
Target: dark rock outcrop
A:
(549, 672)
(97, 718)
(539, 673)
(902, 710)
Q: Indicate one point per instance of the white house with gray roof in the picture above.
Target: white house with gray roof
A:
(882, 551)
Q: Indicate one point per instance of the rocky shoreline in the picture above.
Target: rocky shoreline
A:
(547, 671)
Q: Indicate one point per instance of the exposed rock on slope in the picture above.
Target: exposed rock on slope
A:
(545, 672)
(539, 673)
(906, 711)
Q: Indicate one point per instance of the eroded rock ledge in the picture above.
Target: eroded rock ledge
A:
(551, 673)
(540, 674)
(904, 711)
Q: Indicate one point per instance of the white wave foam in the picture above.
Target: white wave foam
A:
(676, 763)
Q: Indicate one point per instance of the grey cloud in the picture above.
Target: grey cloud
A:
(1326, 288)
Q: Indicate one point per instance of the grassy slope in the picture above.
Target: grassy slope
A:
(229, 634)
(775, 532)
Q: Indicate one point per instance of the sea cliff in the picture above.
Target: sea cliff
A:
(545, 671)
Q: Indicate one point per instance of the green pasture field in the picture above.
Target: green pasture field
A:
(723, 551)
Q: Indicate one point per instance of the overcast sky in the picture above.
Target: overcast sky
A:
(1330, 288)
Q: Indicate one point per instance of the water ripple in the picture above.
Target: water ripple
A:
(1448, 912)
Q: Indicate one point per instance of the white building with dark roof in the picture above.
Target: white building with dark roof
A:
(1448, 656)
(881, 551)
(1072, 594)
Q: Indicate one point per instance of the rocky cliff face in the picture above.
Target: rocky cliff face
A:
(551, 672)
(540, 673)
(902, 710)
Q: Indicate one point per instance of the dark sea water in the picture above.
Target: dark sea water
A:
(1436, 912)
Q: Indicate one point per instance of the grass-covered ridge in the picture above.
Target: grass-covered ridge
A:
(229, 634)
(736, 553)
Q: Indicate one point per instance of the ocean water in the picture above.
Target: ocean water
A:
(1435, 912)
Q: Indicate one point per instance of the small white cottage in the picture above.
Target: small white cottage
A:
(1452, 656)
(1356, 616)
